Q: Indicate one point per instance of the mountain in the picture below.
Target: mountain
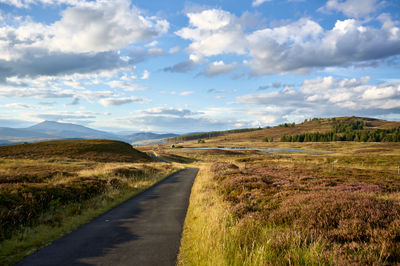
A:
(136, 137)
(67, 130)
(6, 132)
(51, 130)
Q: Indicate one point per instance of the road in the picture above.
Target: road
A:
(155, 157)
(144, 230)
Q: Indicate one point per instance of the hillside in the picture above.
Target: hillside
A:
(91, 150)
(68, 130)
(322, 125)
(141, 136)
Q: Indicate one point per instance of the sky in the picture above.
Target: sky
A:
(190, 66)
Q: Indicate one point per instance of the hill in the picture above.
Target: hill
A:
(68, 130)
(91, 150)
(321, 125)
(141, 136)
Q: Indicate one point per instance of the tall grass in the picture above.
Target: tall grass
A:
(36, 210)
(296, 209)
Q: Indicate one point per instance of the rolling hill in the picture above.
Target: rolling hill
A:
(322, 125)
(141, 136)
(92, 150)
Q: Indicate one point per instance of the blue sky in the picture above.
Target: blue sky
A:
(185, 66)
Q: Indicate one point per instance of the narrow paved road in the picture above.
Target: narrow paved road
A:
(144, 230)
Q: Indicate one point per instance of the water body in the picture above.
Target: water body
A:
(254, 149)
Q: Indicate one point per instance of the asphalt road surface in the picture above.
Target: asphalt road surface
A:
(144, 230)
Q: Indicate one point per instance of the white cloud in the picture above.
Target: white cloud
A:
(178, 112)
(352, 8)
(174, 49)
(299, 46)
(145, 75)
(122, 100)
(218, 68)
(329, 96)
(103, 26)
(86, 39)
(213, 32)
(259, 2)
(28, 3)
(126, 86)
(186, 93)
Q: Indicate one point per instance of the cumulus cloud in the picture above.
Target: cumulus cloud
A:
(213, 32)
(103, 26)
(85, 39)
(329, 96)
(219, 68)
(351, 8)
(122, 100)
(298, 46)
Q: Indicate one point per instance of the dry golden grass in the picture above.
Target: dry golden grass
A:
(341, 208)
(90, 150)
(42, 199)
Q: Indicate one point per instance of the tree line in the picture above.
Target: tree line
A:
(206, 135)
(347, 131)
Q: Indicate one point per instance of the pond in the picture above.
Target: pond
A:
(254, 149)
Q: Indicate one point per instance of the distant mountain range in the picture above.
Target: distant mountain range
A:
(51, 130)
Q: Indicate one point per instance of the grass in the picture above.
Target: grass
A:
(254, 208)
(42, 199)
(91, 150)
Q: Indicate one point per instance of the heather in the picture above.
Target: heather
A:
(267, 208)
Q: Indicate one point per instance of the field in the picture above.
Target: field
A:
(59, 188)
(258, 208)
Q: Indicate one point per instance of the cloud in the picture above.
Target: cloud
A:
(126, 86)
(222, 91)
(169, 112)
(300, 46)
(75, 101)
(275, 85)
(213, 32)
(179, 124)
(43, 63)
(86, 39)
(351, 8)
(66, 116)
(174, 49)
(139, 55)
(259, 2)
(329, 96)
(103, 26)
(186, 93)
(181, 67)
(122, 100)
(219, 68)
(145, 75)
(28, 3)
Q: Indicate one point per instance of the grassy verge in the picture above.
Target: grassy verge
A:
(41, 201)
(301, 209)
